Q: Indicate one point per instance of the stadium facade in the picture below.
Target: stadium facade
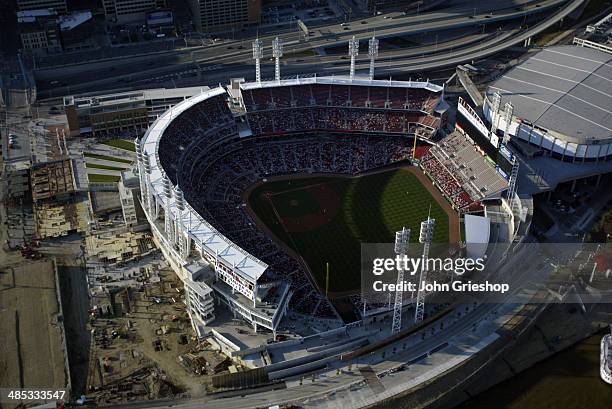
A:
(183, 142)
(559, 104)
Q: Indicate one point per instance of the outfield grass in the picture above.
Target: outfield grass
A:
(106, 167)
(369, 210)
(121, 144)
(95, 178)
(106, 157)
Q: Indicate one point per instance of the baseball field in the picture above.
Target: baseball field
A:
(324, 219)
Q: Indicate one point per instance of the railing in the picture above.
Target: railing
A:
(592, 44)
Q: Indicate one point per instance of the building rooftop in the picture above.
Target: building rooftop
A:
(70, 21)
(132, 96)
(129, 179)
(29, 16)
(564, 89)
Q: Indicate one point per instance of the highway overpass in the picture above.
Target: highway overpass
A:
(424, 59)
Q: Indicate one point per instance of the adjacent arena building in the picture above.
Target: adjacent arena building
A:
(560, 102)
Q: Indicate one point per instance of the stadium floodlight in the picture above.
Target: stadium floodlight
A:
(425, 237)
(277, 53)
(508, 112)
(372, 53)
(495, 111)
(353, 53)
(257, 56)
(401, 245)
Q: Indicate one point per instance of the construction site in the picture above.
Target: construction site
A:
(109, 312)
(143, 346)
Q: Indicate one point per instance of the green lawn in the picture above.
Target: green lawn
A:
(106, 157)
(106, 167)
(325, 219)
(298, 54)
(121, 144)
(95, 178)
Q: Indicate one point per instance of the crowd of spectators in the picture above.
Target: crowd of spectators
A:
(447, 182)
(208, 120)
(334, 119)
(337, 95)
(300, 129)
(470, 165)
(215, 185)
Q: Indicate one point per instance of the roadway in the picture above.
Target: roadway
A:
(405, 61)
(389, 25)
(75, 78)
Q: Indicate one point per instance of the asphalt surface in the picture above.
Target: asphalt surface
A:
(77, 78)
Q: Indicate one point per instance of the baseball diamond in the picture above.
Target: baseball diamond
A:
(324, 219)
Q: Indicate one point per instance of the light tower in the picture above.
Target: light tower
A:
(509, 110)
(372, 53)
(277, 53)
(495, 111)
(425, 237)
(257, 55)
(401, 245)
(353, 52)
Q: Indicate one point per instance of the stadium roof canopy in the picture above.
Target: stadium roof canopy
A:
(342, 80)
(564, 89)
(202, 232)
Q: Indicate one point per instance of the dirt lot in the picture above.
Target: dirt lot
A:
(125, 357)
(32, 349)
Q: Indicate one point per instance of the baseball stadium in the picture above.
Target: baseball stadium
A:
(261, 193)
